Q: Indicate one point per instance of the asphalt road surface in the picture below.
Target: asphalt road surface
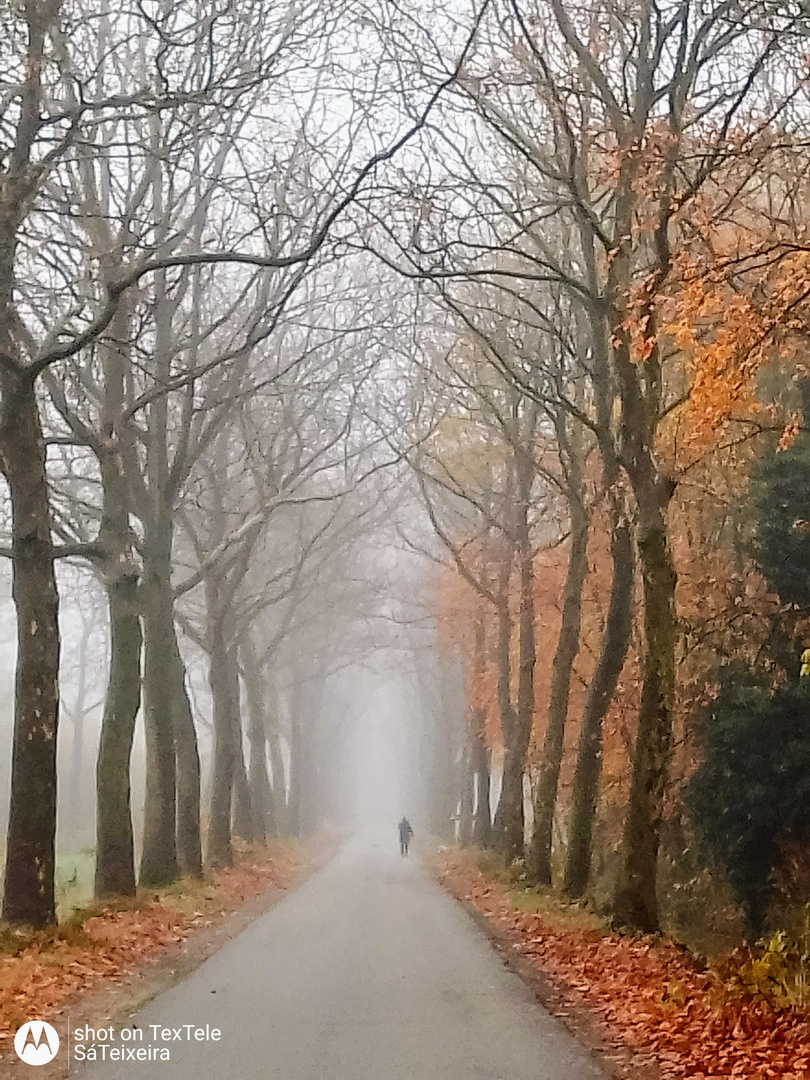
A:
(369, 971)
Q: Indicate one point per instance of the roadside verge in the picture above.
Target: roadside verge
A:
(638, 1003)
(106, 962)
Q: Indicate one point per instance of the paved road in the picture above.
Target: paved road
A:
(369, 971)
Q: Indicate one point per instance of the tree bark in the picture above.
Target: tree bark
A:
(467, 799)
(159, 865)
(482, 829)
(506, 712)
(640, 386)
(224, 682)
(279, 784)
(510, 817)
(243, 825)
(612, 654)
(635, 900)
(30, 857)
(482, 823)
(115, 852)
(538, 863)
(72, 814)
(29, 877)
(187, 757)
(261, 793)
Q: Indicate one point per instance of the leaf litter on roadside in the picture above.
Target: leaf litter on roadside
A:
(40, 972)
(647, 992)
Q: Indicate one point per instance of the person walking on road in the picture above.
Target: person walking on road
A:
(405, 834)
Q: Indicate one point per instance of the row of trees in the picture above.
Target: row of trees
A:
(186, 378)
(616, 237)
(252, 260)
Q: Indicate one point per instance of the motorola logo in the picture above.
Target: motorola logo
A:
(36, 1043)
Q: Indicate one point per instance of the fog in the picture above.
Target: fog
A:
(403, 413)
(381, 775)
(371, 735)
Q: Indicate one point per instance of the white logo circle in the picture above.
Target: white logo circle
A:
(36, 1043)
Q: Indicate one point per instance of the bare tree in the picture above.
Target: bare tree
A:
(168, 72)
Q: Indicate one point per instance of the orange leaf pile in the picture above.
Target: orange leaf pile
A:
(646, 992)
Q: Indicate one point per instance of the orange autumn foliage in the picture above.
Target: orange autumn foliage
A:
(459, 608)
(725, 610)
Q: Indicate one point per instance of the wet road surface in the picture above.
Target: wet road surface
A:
(368, 971)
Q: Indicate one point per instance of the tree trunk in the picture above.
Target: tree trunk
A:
(72, 814)
(482, 830)
(243, 826)
(159, 858)
(115, 853)
(482, 823)
(187, 756)
(635, 902)
(279, 785)
(640, 385)
(538, 863)
(612, 653)
(510, 808)
(296, 755)
(224, 681)
(261, 793)
(467, 800)
(510, 820)
(219, 822)
(506, 712)
(29, 877)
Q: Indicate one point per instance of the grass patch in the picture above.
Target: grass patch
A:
(559, 913)
(491, 864)
(98, 941)
(554, 909)
(74, 882)
(187, 898)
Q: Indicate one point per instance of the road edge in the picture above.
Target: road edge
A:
(578, 1017)
(115, 1001)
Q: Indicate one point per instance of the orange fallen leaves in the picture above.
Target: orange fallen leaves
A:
(47, 969)
(647, 992)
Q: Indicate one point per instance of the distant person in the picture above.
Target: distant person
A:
(405, 834)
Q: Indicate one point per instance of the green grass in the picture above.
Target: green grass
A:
(554, 909)
(74, 881)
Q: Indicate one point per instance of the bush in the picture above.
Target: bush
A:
(781, 494)
(751, 795)
(779, 972)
